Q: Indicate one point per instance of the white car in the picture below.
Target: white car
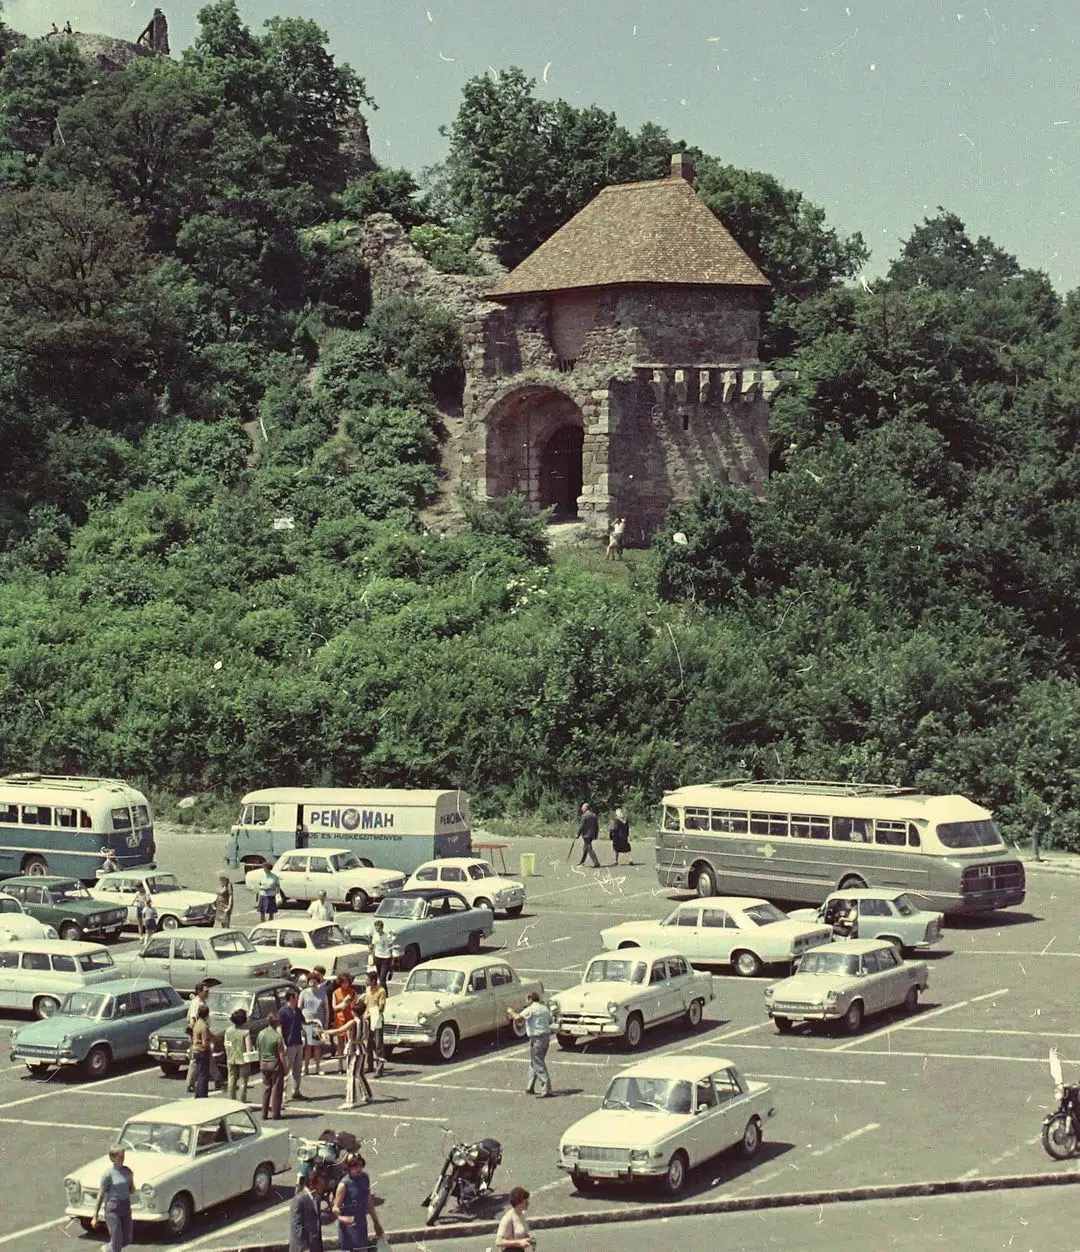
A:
(186, 1156)
(620, 996)
(16, 923)
(37, 974)
(176, 905)
(346, 879)
(473, 878)
(307, 943)
(744, 931)
(662, 1117)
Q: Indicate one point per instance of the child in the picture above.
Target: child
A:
(237, 1045)
(149, 917)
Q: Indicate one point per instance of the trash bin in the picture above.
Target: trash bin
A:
(528, 864)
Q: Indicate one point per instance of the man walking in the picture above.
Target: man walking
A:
(305, 1225)
(271, 1049)
(588, 829)
(537, 1019)
(291, 1022)
(382, 952)
(197, 1001)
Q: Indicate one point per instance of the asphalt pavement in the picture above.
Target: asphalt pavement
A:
(957, 1090)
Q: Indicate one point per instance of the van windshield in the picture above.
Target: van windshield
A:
(981, 834)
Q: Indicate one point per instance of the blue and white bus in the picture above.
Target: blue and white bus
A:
(390, 828)
(64, 825)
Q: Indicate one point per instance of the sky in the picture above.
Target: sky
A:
(879, 111)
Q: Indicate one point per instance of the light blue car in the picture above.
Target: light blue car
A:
(99, 1025)
(429, 921)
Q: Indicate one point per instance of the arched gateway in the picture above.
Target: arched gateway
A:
(535, 439)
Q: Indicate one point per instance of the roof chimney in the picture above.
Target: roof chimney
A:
(682, 167)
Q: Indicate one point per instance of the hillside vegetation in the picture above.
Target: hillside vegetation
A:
(214, 454)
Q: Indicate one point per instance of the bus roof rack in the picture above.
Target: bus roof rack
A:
(813, 786)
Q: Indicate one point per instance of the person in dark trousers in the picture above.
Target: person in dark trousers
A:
(201, 1045)
(291, 1021)
(271, 1049)
(117, 1186)
(305, 1228)
(620, 835)
(588, 829)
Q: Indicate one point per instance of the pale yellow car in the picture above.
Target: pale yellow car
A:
(455, 998)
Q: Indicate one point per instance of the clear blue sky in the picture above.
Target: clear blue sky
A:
(878, 111)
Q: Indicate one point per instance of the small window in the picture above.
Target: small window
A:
(121, 819)
(265, 1004)
(775, 825)
(64, 964)
(319, 865)
(501, 976)
(16, 891)
(142, 815)
(453, 873)
(874, 908)
(730, 821)
(809, 826)
(240, 1126)
(9, 960)
(9, 813)
(852, 829)
(85, 820)
(479, 981)
(696, 819)
(67, 818)
(671, 818)
(187, 950)
(99, 959)
(259, 814)
(726, 1086)
(657, 973)
(457, 904)
(688, 917)
(292, 939)
(264, 937)
(717, 919)
(294, 865)
(210, 1137)
(887, 959)
(892, 834)
(35, 895)
(37, 815)
(35, 960)
(428, 873)
(705, 1095)
(158, 948)
(125, 1006)
(913, 836)
(9, 906)
(676, 967)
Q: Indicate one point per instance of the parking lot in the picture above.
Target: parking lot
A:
(957, 1090)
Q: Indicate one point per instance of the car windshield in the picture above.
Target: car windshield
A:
(328, 937)
(764, 914)
(232, 944)
(346, 860)
(605, 969)
(448, 980)
(161, 883)
(905, 906)
(68, 891)
(226, 1002)
(664, 1095)
(821, 961)
(156, 1137)
(85, 1004)
(401, 906)
(9, 904)
(983, 834)
(481, 870)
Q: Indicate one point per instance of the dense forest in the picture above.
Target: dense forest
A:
(215, 455)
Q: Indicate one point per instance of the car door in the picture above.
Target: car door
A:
(730, 1118)
(680, 984)
(157, 1010)
(292, 872)
(126, 1029)
(9, 977)
(35, 977)
(707, 1136)
(505, 993)
(189, 965)
(872, 989)
(37, 903)
(892, 978)
(266, 1002)
(480, 1002)
(320, 877)
(873, 918)
(295, 944)
(156, 959)
(718, 935)
(454, 877)
(215, 1164)
(658, 991)
(245, 1148)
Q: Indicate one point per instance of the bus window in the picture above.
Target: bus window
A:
(892, 834)
(852, 829)
(36, 815)
(729, 820)
(85, 822)
(913, 836)
(142, 815)
(66, 818)
(805, 826)
(775, 825)
(9, 813)
(696, 819)
(671, 818)
(121, 819)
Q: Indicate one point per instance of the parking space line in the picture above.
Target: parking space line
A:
(1005, 1156)
(223, 1237)
(34, 1230)
(997, 952)
(461, 1069)
(21, 1121)
(974, 1030)
(852, 1134)
(403, 1169)
(853, 1082)
(919, 1056)
(924, 1017)
(54, 1089)
(389, 1114)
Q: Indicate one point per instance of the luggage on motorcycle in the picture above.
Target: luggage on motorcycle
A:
(341, 1139)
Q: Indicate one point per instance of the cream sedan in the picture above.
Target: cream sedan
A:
(455, 998)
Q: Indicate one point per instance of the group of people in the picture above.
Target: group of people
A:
(146, 914)
(352, 1205)
(589, 829)
(57, 31)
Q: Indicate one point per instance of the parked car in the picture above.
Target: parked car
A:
(16, 923)
(176, 905)
(189, 956)
(427, 922)
(877, 913)
(846, 982)
(455, 998)
(170, 1046)
(620, 997)
(346, 879)
(99, 1025)
(37, 974)
(306, 943)
(476, 880)
(66, 905)
(744, 931)
(186, 1157)
(662, 1117)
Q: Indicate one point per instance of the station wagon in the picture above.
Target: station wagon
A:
(37, 974)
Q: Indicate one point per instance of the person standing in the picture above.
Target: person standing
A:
(305, 1226)
(111, 864)
(117, 1186)
(513, 1229)
(139, 902)
(291, 1021)
(320, 909)
(588, 829)
(149, 918)
(382, 952)
(223, 905)
(313, 1008)
(202, 992)
(201, 1046)
(344, 1010)
(271, 1049)
(375, 1002)
(267, 888)
(353, 1205)
(349, 1036)
(237, 1046)
(615, 540)
(620, 835)
(537, 1018)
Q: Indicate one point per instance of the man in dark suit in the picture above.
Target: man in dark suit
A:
(587, 832)
(305, 1228)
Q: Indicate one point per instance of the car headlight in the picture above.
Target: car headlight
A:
(95, 919)
(147, 1193)
(639, 1155)
(73, 1189)
(67, 1041)
(421, 1019)
(154, 1042)
(261, 972)
(613, 1008)
(768, 993)
(831, 997)
(51, 932)
(571, 1151)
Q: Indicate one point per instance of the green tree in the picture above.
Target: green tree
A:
(36, 81)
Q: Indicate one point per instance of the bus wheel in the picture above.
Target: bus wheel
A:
(705, 882)
(851, 883)
(35, 866)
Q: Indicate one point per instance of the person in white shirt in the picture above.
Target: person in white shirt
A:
(382, 952)
(321, 909)
(537, 1018)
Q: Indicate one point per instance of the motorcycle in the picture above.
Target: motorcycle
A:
(466, 1175)
(1061, 1129)
(326, 1155)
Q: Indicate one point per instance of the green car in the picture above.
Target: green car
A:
(66, 904)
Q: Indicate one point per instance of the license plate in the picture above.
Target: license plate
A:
(579, 1030)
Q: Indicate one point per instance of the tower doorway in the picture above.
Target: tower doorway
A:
(560, 472)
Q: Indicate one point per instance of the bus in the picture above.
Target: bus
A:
(57, 824)
(797, 840)
(393, 829)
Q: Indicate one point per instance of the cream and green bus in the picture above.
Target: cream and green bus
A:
(796, 840)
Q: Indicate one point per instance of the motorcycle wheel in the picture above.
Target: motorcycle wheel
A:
(438, 1198)
(1059, 1137)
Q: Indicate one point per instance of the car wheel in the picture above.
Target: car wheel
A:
(482, 902)
(783, 1025)
(168, 1069)
(262, 1183)
(446, 1041)
(519, 1028)
(635, 1030)
(358, 900)
(70, 931)
(97, 1062)
(705, 883)
(567, 1042)
(168, 922)
(852, 883)
(693, 1014)
(911, 1000)
(46, 1006)
(746, 964)
(515, 910)
(35, 867)
(410, 957)
(675, 1174)
(853, 1018)
(898, 947)
(751, 1138)
(181, 1211)
(476, 938)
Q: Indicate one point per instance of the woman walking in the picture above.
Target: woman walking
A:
(343, 1004)
(237, 1046)
(117, 1185)
(349, 1035)
(313, 1008)
(375, 1004)
(223, 905)
(513, 1231)
(620, 835)
(353, 1205)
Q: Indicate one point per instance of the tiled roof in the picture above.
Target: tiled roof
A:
(658, 232)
